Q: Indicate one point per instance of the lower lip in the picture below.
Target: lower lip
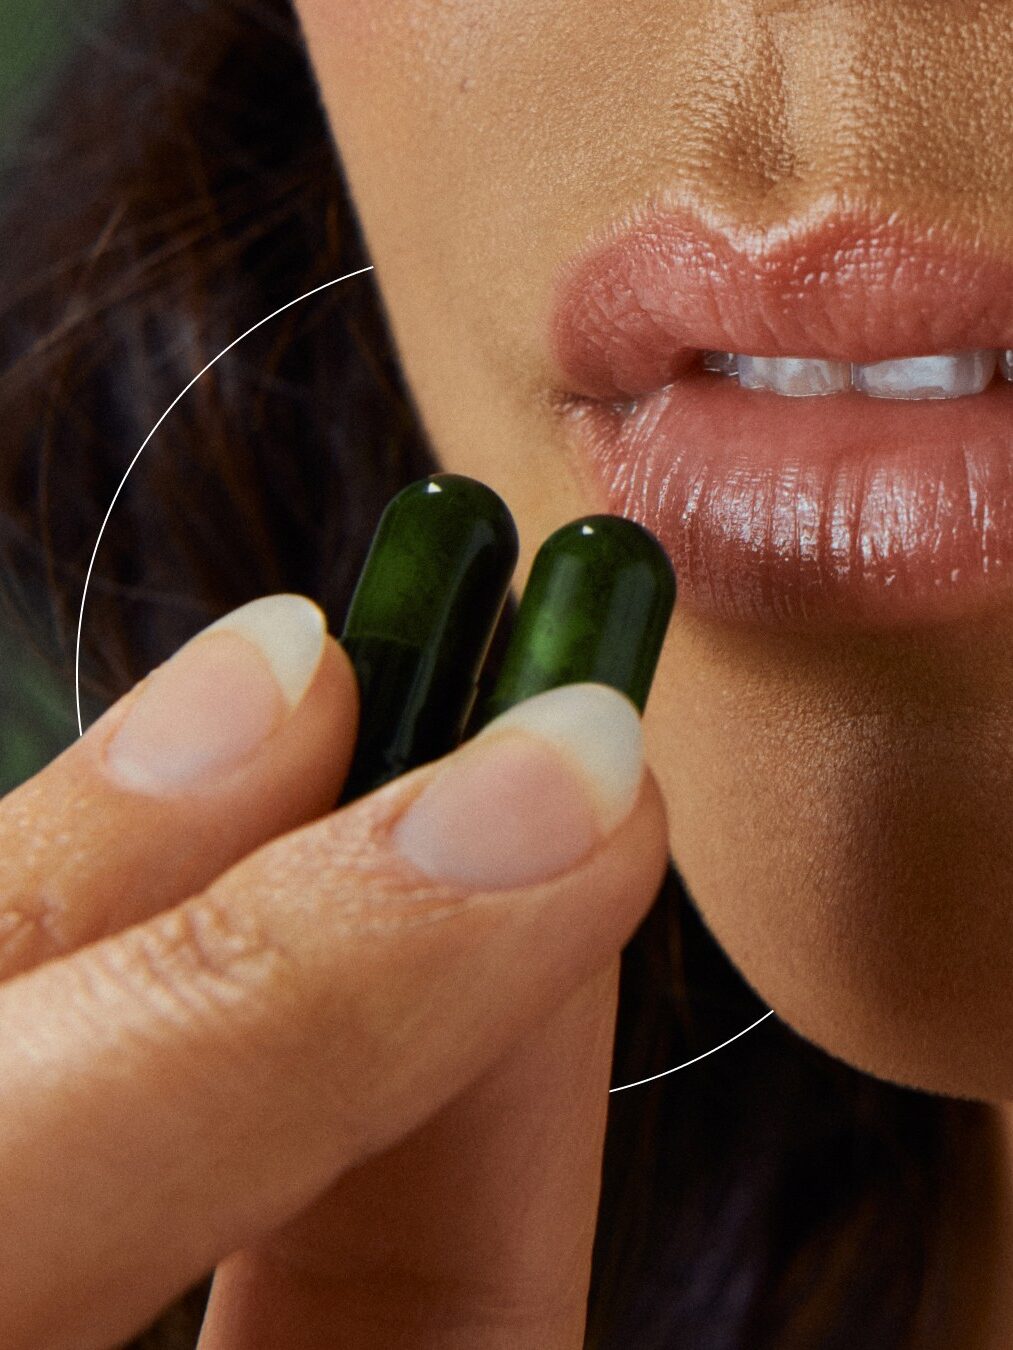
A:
(837, 511)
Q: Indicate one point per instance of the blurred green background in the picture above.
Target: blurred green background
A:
(36, 704)
(32, 29)
(36, 35)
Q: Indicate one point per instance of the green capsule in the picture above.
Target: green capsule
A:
(596, 607)
(421, 619)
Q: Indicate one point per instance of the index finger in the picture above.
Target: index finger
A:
(188, 1085)
(244, 733)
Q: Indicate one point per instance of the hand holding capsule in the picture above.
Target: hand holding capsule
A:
(212, 1010)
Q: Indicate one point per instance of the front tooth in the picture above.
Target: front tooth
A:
(794, 376)
(927, 376)
(1006, 364)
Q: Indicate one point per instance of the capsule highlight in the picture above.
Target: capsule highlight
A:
(596, 607)
(421, 619)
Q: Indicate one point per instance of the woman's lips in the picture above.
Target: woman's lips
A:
(841, 509)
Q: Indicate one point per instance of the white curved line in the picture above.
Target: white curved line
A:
(94, 553)
(105, 521)
(654, 1077)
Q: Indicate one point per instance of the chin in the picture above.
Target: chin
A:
(843, 820)
(901, 978)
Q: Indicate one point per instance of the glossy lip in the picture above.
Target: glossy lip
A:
(842, 510)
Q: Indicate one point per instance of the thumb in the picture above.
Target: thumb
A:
(192, 1083)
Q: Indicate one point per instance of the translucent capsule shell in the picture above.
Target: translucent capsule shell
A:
(421, 620)
(595, 608)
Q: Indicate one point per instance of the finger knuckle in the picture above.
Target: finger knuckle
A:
(34, 927)
(203, 959)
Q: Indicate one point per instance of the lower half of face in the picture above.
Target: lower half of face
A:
(745, 273)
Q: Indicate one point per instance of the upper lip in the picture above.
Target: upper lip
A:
(847, 282)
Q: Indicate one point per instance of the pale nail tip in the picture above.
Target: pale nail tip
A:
(598, 730)
(134, 776)
(155, 779)
(289, 631)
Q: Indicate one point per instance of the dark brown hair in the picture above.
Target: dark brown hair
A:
(179, 185)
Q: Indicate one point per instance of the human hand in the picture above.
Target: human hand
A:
(211, 1010)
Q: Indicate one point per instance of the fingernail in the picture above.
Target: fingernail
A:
(212, 704)
(531, 794)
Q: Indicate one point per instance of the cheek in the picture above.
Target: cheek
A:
(366, 59)
(848, 838)
(395, 79)
(346, 40)
(380, 44)
(354, 24)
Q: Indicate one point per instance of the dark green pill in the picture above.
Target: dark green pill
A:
(421, 619)
(596, 607)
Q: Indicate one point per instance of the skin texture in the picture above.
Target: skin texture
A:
(838, 805)
(238, 1028)
(237, 1021)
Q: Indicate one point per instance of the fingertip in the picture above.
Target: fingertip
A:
(318, 739)
(651, 816)
(348, 680)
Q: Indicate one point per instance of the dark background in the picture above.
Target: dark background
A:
(37, 716)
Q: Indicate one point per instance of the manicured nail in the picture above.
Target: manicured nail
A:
(421, 620)
(531, 794)
(595, 608)
(219, 698)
